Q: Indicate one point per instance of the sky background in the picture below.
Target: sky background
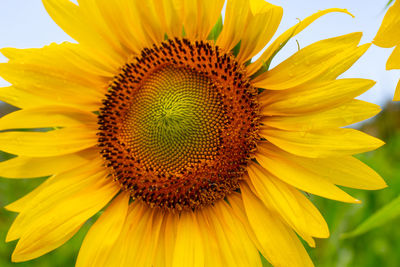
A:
(25, 23)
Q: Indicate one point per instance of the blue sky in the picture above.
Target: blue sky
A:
(24, 24)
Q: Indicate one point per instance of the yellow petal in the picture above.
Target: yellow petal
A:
(138, 215)
(312, 98)
(236, 202)
(235, 245)
(26, 167)
(346, 114)
(87, 27)
(102, 235)
(212, 251)
(21, 203)
(322, 143)
(293, 206)
(397, 93)
(236, 15)
(189, 245)
(41, 75)
(394, 59)
(50, 228)
(344, 171)
(280, 245)
(343, 63)
(56, 86)
(389, 32)
(140, 240)
(296, 175)
(47, 144)
(146, 254)
(120, 16)
(279, 214)
(166, 242)
(253, 23)
(169, 18)
(243, 249)
(111, 25)
(170, 233)
(198, 16)
(47, 117)
(309, 63)
(69, 58)
(151, 18)
(23, 99)
(52, 191)
(261, 26)
(293, 31)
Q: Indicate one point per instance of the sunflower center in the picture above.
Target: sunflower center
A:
(178, 125)
(174, 120)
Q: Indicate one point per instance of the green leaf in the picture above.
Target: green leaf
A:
(183, 32)
(388, 4)
(216, 30)
(235, 51)
(264, 261)
(382, 216)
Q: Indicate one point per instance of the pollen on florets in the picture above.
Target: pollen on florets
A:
(178, 125)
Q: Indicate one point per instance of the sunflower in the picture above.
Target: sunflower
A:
(389, 36)
(198, 155)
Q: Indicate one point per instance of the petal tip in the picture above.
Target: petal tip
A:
(347, 12)
(9, 237)
(9, 207)
(343, 10)
(16, 257)
(379, 184)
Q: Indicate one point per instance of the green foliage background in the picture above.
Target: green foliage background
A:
(378, 247)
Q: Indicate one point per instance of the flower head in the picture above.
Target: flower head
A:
(198, 155)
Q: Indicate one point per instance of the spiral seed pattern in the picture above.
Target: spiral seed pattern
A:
(178, 125)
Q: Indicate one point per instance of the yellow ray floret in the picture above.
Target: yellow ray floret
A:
(275, 46)
(287, 246)
(348, 113)
(99, 240)
(302, 216)
(389, 36)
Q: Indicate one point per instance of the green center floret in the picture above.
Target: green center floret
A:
(174, 119)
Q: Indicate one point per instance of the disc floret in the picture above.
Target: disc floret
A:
(178, 125)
